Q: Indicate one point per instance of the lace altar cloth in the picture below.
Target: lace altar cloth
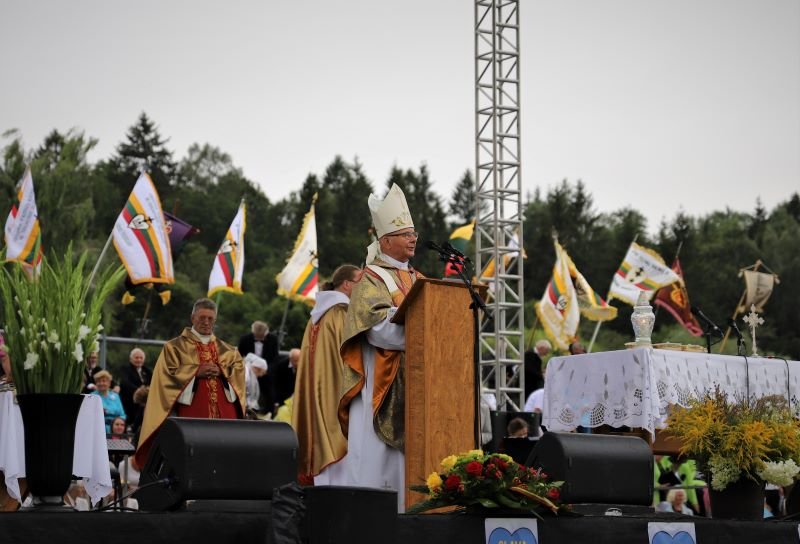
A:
(635, 387)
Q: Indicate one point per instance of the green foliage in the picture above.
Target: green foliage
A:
(79, 201)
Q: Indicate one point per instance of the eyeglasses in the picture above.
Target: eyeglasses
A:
(406, 235)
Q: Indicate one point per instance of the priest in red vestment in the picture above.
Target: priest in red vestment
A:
(196, 375)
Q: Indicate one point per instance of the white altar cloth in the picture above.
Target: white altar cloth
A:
(634, 387)
(90, 455)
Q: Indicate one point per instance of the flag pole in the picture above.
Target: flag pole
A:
(100, 258)
(530, 336)
(143, 324)
(608, 298)
(281, 329)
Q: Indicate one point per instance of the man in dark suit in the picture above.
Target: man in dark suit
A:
(283, 377)
(264, 344)
(134, 375)
(534, 378)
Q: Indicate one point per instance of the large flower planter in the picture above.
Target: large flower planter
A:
(743, 499)
(49, 421)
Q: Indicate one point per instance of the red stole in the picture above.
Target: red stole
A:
(209, 400)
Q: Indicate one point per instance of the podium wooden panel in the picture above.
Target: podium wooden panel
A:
(439, 376)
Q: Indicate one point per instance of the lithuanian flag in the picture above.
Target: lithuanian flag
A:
(23, 235)
(141, 238)
(228, 268)
(299, 279)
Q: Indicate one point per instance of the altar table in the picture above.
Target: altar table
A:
(634, 388)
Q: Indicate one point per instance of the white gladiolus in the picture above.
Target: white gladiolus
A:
(52, 337)
(83, 332)
(78, 352)
(31, 359)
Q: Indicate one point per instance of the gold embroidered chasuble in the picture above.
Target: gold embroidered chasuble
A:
(176, 366)
(317, 392)
(369, 305)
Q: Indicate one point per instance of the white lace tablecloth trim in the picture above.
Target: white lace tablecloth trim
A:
(635, 387)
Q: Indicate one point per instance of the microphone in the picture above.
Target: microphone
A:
(710, 325)
(449, 247)
(736, 331)
(433, 246)
(446, 251)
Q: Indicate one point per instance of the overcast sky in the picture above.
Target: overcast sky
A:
(658, 105)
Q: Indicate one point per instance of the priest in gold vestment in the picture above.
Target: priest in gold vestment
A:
(196, 375)
(319, 382)
(372, 408)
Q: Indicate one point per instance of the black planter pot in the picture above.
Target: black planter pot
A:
(49, 421)
(743, 499)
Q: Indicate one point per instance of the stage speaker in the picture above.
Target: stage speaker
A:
(217, 459)
(351, 515)
(597, 468)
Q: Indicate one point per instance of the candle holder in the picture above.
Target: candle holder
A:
(643, 320)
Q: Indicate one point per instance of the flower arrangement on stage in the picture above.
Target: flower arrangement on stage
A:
(734, 438)
(491, 480)
(52, 321)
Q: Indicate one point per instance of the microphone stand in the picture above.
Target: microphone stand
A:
(460, 264)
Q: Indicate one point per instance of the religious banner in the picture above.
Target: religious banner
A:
(459, 239)
(758, 288)
(674, 298)
(299, 279)
(591, 304)
(23, 236)
(140, 236)
(642, 270)
(228, 268)
(558, 310)
(179, 232)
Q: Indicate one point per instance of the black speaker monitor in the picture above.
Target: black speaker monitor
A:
(354, 515)
(221, 459)
(597, 468)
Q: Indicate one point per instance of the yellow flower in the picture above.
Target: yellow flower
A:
(475, 452)
(434, 482)
(449, 462)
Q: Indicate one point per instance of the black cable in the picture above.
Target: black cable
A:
(788, 383)
(163, 481)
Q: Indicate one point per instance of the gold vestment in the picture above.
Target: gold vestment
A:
(176, 366)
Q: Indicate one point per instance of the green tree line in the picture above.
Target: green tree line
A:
(79, 200)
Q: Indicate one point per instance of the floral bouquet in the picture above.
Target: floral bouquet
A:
(733, 438)
(491, 480)
(52, 321)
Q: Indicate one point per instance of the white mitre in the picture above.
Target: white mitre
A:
(390, 214)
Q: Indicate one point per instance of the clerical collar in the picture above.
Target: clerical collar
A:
(394, 262)
(205, 339)
(325, 301)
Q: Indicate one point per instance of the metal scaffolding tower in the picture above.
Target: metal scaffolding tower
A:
(499, 202)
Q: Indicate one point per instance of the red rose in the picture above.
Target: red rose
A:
(499, 462)
(452, 482)
(553, 493)
(474, 468)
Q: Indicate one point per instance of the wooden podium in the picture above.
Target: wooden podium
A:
(440, 380)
